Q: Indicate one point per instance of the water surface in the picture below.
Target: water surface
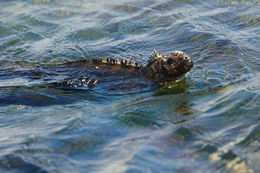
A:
(207, 122)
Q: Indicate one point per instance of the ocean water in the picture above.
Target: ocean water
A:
(207, 122)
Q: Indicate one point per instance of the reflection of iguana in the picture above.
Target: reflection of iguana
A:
(160, 68)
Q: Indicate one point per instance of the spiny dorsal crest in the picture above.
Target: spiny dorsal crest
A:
(177, 53)
(121, 62)
(154, 55)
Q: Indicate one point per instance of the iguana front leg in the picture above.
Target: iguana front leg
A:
(82, 81)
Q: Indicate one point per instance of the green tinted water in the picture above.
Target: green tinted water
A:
(207, 122)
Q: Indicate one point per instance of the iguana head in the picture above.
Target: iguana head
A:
(170, 67)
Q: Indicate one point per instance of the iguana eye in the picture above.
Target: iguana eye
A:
(186, 58)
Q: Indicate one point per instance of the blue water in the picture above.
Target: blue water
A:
(207, 122)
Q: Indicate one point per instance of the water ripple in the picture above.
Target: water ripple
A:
(206, 122)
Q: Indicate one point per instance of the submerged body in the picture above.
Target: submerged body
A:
(160, 68)
(88, 78)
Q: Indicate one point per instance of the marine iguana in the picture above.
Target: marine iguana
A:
(160, 68)
(39, 85)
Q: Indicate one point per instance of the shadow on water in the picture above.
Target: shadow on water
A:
(44, 96)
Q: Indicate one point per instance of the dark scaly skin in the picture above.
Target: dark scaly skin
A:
(47, 85)
(168, 68)
(160, 68)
